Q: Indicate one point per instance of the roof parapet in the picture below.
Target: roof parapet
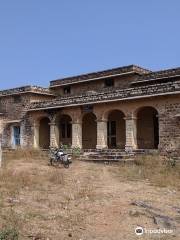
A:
(26, 89)
(163, 74)
(99, 75)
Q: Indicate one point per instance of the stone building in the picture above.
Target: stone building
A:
(128, 108)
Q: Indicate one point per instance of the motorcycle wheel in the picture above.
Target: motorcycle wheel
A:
(66, 165)
(51, 162)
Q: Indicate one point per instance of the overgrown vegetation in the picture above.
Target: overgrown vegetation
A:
(41, 201)
(153, 168)
(9, 234)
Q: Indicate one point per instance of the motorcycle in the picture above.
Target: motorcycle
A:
(58, 156)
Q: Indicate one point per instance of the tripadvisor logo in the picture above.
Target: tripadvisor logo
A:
(139, 230)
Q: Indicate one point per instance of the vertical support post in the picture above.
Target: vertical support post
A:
(131, 133)
(53, 135)
(36, 135)
(101, 134)
(77, 134)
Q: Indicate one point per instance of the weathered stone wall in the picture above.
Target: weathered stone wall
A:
(121, 82)
(129, 101)
(14, 109)
(154, 90)
(170, 126)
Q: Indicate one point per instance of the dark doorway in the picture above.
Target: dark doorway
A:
(65, 130)
(89, 131)
(147, 128)
(116, 130)
(44, 133)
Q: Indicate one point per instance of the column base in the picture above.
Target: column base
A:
(129, 148)
(101, 147)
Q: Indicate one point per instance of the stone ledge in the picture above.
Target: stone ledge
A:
(26, 89)
(113, 95)
(98, 75)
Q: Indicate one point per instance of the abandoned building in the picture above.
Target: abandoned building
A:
(127, 108)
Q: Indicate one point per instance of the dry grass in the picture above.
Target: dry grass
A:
(33, 192)
(38, 201)
(55, 177)
(152, 168)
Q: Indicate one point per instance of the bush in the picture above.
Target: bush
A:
(9, 234)
(76, 151)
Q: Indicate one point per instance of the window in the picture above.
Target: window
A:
(109, 82)
(67, 90)
(17, 99)
(16, 135)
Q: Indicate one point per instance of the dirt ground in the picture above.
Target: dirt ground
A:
(88, 201)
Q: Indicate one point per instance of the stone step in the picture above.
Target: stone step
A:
(108, 154)
(125, 161)
(103, 150)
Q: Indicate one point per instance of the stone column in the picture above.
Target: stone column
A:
(36, 135)
(131, 133)
(101, 134)
(54, 136)
(77, 134)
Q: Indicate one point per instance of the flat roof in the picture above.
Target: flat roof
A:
(163, 74)
(26, 89)
(98, 75)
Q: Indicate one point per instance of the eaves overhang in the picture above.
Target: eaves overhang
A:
(118, 95)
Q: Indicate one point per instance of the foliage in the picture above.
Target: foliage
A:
(76, 151)
(9, 234)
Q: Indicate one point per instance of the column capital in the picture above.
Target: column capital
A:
(102, 120)
(76, 122)
(52, 124)
(130, 118)
(35, 124)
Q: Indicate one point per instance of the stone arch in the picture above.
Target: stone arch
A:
(136, 111)
(116, 132)
(89, 131)
(147, 127)
(44, 132)
(106, 113)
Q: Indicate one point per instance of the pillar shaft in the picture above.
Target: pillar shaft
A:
(76, 134)
(101, 134)
(131, 134)
(36, 135)
(54, 139)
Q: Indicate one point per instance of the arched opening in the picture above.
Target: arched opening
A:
(65, 130)
(147, 128)
(89, 131)
(44, 133)
(116, 130)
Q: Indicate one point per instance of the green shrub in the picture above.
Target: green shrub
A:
(9, 234)
(76, 151)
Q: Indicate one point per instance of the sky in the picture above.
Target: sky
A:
(42, 40)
